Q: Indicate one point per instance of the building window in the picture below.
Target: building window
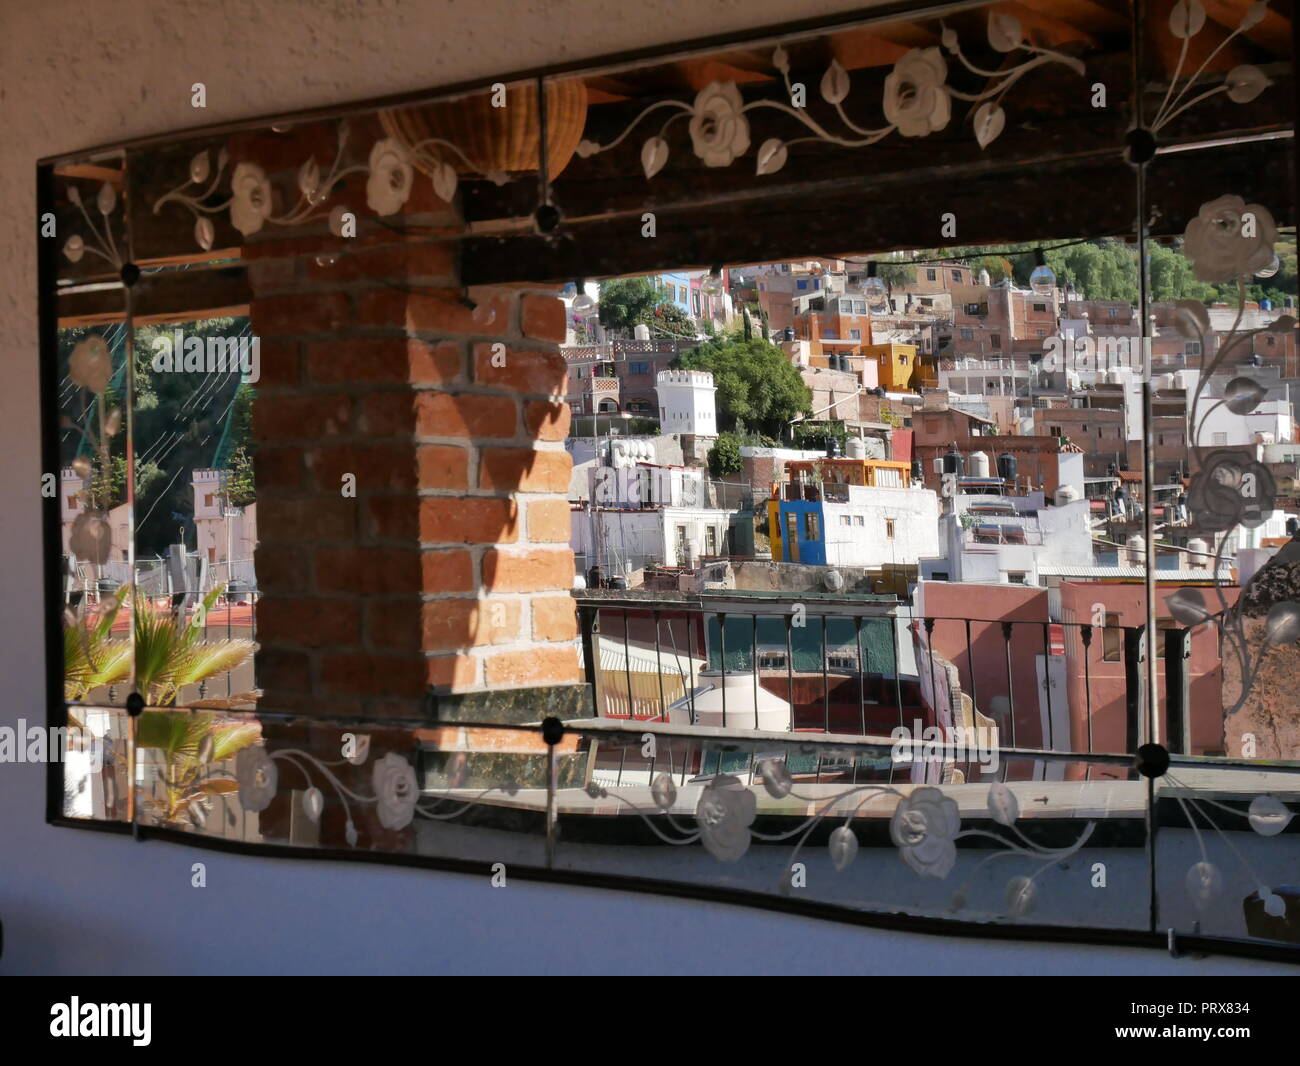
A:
(995, 339)
(845, 520)
(1112, 312)
(1040, 307)
(710, 541)
(889, 529)
(791, 529)
(968, 334)
(1220, 438)
(956, 275)
(811, 527)
(207, 500)
(638, 368)
(72, 503)
(1194, 347)
(1112, 644)
(801, 285)
(931, 274)
(1016, 577)
(859, 520)
(855, 334)
(939, 575)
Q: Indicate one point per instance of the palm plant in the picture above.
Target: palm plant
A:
(191, 743)
(91, 659)
(169, 654)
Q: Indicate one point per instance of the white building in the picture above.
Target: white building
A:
(877, 526)
(226, 536)
(686, 402)
(995, 540)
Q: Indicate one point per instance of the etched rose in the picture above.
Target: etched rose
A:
(257, 777)
(250, 198)
(916, 98)
(391, 174)
(1231, 489)
(924, 828)
(719, 129)
(91, 364)
(724, 814)
(1229, 238)
(395, 790)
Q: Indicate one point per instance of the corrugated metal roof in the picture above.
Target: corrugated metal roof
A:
(1098, 573)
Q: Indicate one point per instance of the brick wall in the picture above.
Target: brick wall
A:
(449, 568)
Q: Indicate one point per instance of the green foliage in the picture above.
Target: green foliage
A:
(758, 387)
(819, 435)
(724, 456)
(668, 318)
(625, 301)
(190, 745)
(896, 272)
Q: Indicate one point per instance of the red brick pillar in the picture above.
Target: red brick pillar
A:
(449, 569)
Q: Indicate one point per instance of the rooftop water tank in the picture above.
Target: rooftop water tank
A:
(748, 706)
(857, 448)
(1065, 494)
(979, 464)
(953, 463)
(1007, 468)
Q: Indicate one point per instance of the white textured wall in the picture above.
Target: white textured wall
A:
(74, 75)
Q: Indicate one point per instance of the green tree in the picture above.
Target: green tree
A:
(896, 272)
(758, 387)
(724, 456)
(624, 302)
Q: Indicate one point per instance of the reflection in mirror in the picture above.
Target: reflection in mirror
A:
(93, 481)
(196, 511)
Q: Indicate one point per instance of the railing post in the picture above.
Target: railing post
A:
(586, 620)
(1134, 694)
(1178, 653)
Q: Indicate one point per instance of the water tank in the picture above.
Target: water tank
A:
(1065, 494)
(1180, 379)
(953, 463)
(857, 448)
(1198, 554)
(1164, 381)
(1136, 548)
(979, 464)
(918, 470)
(1007, 468)
(1292, 526)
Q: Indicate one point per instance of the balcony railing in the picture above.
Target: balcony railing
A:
(866, 667)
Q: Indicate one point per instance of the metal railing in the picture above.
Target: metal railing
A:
(869, 668)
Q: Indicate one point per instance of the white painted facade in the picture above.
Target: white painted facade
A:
(1271, 422)
(881, 525)
(1056, 536)
(626, 540)
(686, 402)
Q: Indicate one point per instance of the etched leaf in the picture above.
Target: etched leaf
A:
(771, 156)
(1003, 806)
(309, 177)
(1282, 626)
(1186, 18)
(204, 233)
(200, 168)
(312, 803)
(106, 199)
(663, 791)
(781, 59)
(654, 154)
(776, 777)
(1268, 815)
(989, 122)
(1021, 894)
(843, 847)
(835, 83)
(445, 181)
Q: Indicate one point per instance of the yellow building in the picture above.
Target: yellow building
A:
(895, 364)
